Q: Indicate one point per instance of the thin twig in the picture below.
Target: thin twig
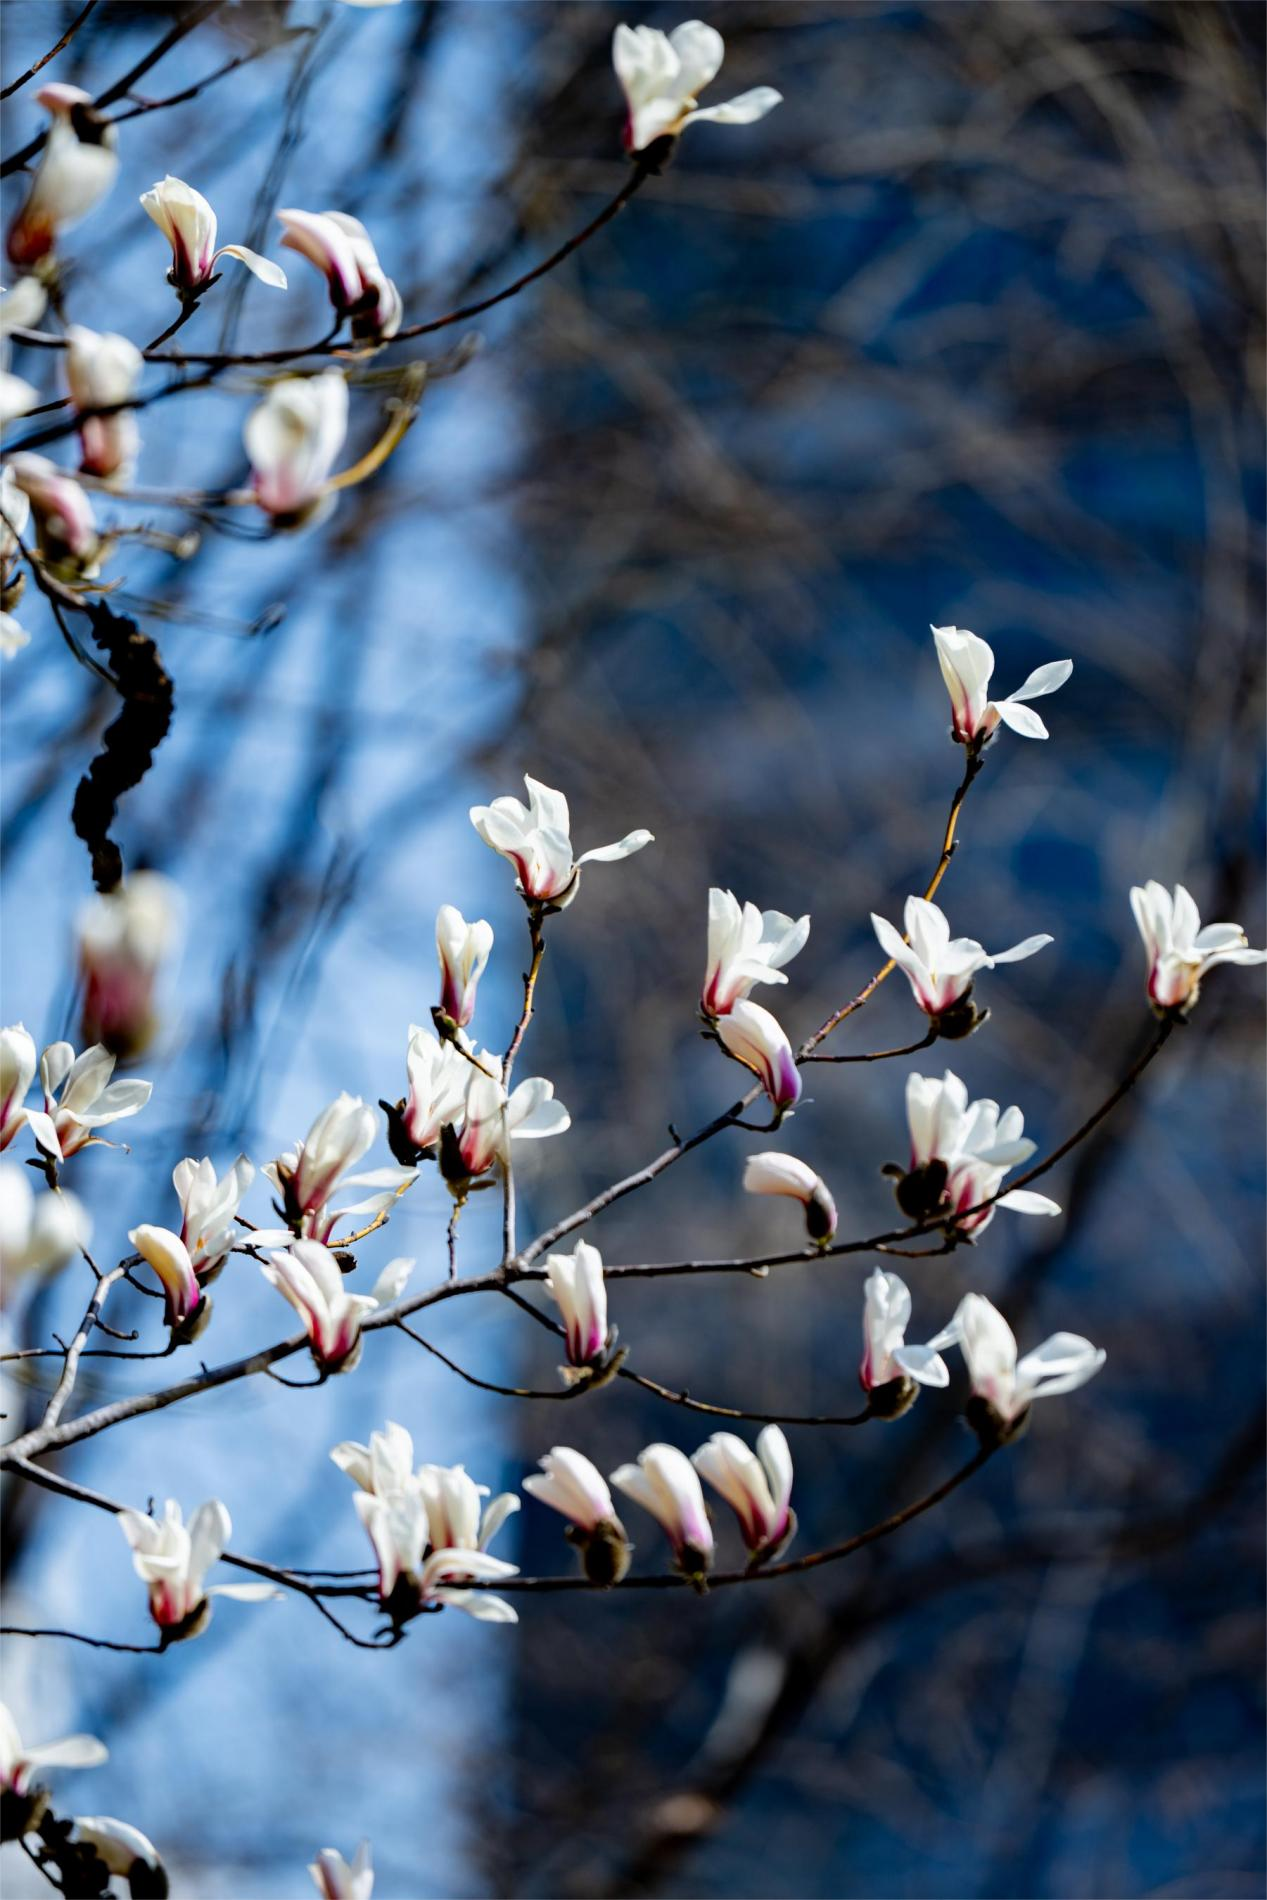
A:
(93, 1642)
(16, 85)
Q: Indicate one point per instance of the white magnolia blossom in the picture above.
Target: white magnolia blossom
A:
(438, 1076)
(22, 307)
(293, 438)
(537, 839)
(756, 1038)
(77, 167)
(661, 74)
(173, 1559)
(332, 1876)
(123, 1848)
(167, 1253)
(399, 1528)
(308, 1175)
(17, 397)
(774, 1173)
(1061, 1364)
(208, 1205)
(745, 946)
(343, 251)
(492, 1120)
(13, 635)
(80, 1097)
(124, 936)
(189, 225)
(757, 1485)
(576, 1285)
(456, 1519)
(39, 1233)
(17, 1072)
(385, 1465)
(15, 512)
(103, 369)
(64, 521)
(18, 1763)
(977, 1144)
(966, 666)
(571, 1485)
(666, 1483)
(1179, 949)
(940, 968)
(463, 950)
(307, 1274)
(886, 1357)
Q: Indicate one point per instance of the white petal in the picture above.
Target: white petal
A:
(1021, 719)
(262, 267)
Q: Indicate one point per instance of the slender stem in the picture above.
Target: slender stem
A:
(948, 843)
(66, 1384)
(183, 27)
(486, 1385)
(16, 85)
(880, 1055)
(451, 1236)
(187, 308)
(731, 1411)
(536, 937)
(93, 1642)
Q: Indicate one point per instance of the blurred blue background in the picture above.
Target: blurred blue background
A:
(968, 331)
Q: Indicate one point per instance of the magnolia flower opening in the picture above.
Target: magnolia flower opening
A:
(189, 225)
(940, 968)
(537, 840)
(1180, 951)
(745, 946)
(661, 74)
(967, 664)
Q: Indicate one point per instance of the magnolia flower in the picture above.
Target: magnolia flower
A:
(13, 635)
(960, 1153)
(1008, 1386)
(39, 1233)
(784, 1174)
(17, 1072)
(399, 1529)
(22, 307)
(17, 1764)
(64, 522)
(124, 936)
(15, 512)
(173, 1560)
(293, 439)
(574, 1487)
(79, 1096)
(754, 1037)
(17, 397)
(745, 946)
(886, 1359)
(661, 73)
(307, 1175)
(463, 950)
(208, 1206)
(438, 1076)
(189, 225)
(492, 1120)
(102, 370)
(571, 1485)
(757, 1485)
(307, 1274)
(456, 1520)
(122, 1849)
(666, 1483)
(167, 1253)
(332, 1876)
(966, 665)
(381, 1467)
(1179, 950)
(575, 1283)
(77, 168)
(537, 840)
(343, 251)
(940, 970)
